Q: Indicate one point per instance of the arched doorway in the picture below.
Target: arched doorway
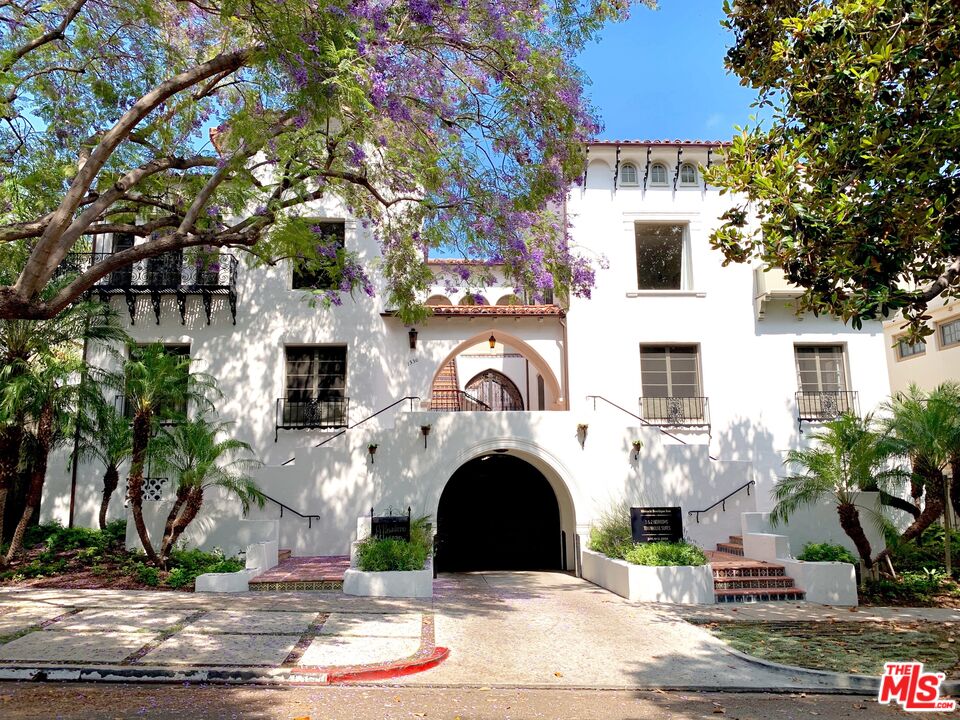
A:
(498, 512)
(496, 391)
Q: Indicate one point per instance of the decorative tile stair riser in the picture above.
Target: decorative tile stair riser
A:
(303, 574)
(737, 579)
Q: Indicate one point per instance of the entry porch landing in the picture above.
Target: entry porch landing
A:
(319, 573)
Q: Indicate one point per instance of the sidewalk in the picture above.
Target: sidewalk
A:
(521, 629)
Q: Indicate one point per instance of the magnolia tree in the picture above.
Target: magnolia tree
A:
(852, 167)
(210, 124)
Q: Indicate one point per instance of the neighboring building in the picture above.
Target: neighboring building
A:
(929, 363)
(475, 411)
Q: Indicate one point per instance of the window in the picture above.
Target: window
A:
(122, 277)
(628, 174)
(473, 299)
(660, 256)
(509, 300)
(658, 174)
(950, 333)
(331, 235)
(546, 297)
(822, 381)
(670, 376)
(907, 349)
(436, 300)
(688, 174)
(316, 380)
(820, 368)
(541, 394)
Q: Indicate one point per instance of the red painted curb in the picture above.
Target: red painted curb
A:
(438, 655)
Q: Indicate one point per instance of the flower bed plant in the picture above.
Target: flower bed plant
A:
(827, 552)
(665, 553)
(391, 554)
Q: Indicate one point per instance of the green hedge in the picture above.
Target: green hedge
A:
(665, 553)
(390, 555)
(827, 552)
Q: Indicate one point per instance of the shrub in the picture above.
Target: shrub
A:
(147, 575)
(665, 553)
(909, 588)
(612, 535)
(827, 552)
(186, 565)
(390, 554)
(922, 553)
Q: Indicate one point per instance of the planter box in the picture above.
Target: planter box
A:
(406, 583)
(260, 557)
(683, 585)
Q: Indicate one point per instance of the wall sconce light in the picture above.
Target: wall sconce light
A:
(413, 338)
(493, 342)
(425, 429)
(372, 449)
(637, 446)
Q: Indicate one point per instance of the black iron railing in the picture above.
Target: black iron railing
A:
(455, 401)
(821, 405)
(174, 273)
(675, 411)
(322, 412)
(722, 501)
(286, 508)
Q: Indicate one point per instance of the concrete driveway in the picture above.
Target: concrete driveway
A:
(552, 629)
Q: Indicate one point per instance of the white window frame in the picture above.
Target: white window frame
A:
(696, 176)
(686, 272)
(844, 373)
(666, 174)
(902, 342)
(624, 182)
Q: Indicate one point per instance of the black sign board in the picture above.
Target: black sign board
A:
(656, 524)
(390, 526)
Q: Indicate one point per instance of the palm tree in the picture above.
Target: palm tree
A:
(106, 438)
(848, 457)
(948, 395)
(157, 387)
(924, 425)
(47, 396)
(191, 453)
(22, 342)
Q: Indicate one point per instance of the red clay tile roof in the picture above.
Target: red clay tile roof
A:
(461, 261)
(498, 310)
(673, 143)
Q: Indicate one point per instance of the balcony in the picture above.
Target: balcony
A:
(771, 286)
(675, 411)
(823, 405)
(320, 413)
(170, 275)
(456, 401)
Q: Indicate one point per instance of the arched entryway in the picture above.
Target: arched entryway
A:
(495, 390)
(498, 512)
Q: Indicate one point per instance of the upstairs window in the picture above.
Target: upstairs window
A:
(661, 256)
(907, 349)
(950, 333)
(820, 368)
(670, 371)
(658, 175)
(688, 174)
(315, 385)
(176, 409)
(330, 235)
(628, 174)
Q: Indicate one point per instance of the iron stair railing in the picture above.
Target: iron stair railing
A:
(722, 501)
(283, 506)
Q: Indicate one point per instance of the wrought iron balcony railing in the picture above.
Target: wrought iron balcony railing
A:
(323, 413)
(821, 405)
(170, 274)
(675, 411)
(456, 401)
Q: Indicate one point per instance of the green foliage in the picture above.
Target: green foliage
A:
(851, 167)
(665, 553)
(612, 535)
(923, 553)
(186, 565)
(390, 554)
(827, 552)
(908, 588)
(147, 574)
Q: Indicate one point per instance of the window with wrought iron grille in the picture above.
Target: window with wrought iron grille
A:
(317, 275)
(315, 386)
(670, 377)
(950, 333)
(662, 256)
(822, 382)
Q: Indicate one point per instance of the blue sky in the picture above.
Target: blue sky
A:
(661, 76)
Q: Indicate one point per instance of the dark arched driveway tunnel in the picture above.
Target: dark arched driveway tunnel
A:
(498, 512)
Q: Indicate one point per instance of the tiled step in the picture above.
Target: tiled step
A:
(315, 574)
(730, 549)
(297, 586)
(751, 583)
(736, 540)
(758, 595)
(283, 554)
(748, 570)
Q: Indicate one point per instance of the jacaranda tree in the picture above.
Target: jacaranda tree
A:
(851, 164)
(206, 124)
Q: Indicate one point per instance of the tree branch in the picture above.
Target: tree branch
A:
(48, 37)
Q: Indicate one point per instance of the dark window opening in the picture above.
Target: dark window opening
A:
(318, 273)
(659, 256)
(315, 386)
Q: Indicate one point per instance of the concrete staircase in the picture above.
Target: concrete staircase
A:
(737, 579)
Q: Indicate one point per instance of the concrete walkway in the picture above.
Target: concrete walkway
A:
(502, 629)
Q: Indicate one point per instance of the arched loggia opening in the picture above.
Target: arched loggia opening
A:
(499, 512)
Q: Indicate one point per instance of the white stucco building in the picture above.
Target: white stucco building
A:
(707, 366)
(932, 362)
